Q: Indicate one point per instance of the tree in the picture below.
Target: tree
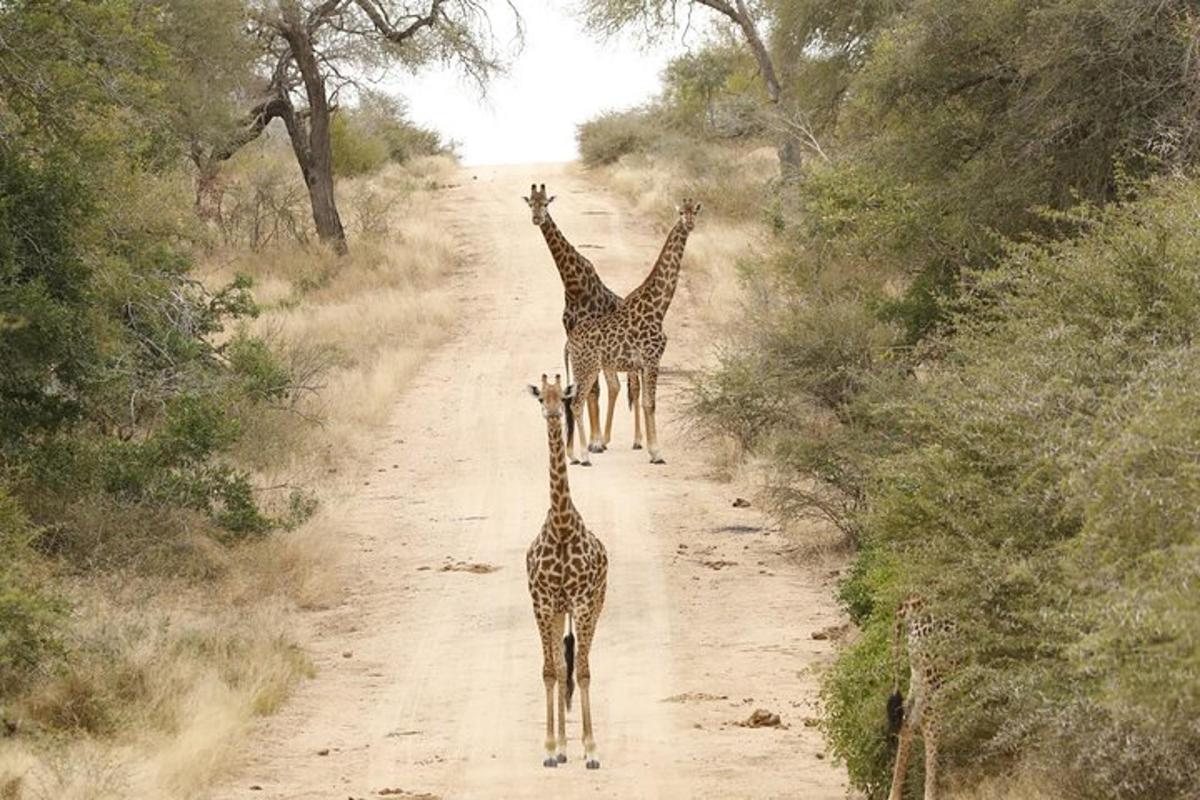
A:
(311, 52)
(611, 16)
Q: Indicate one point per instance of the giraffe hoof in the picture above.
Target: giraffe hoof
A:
(595, 448)
(550, 762)
(637, 445)
(593, 764)
(658, 460)
(574, 460)
(562, 758)
(585, 463)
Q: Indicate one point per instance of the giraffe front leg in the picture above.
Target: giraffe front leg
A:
(635, 405)
(649, 399)
(902, 748)
(587, 379)
(549, 680)
(593, 405)
(613, 382)
(929, 734)
(560, 674)
(585, 628)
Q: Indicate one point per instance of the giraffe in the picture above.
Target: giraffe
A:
(585, 297)
(568, 575)
(631, 339)
(921, 711)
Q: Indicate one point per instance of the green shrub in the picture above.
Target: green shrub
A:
(1043, 494)
(355, 151)
(29, 618)
(606, 138)
(377, 131)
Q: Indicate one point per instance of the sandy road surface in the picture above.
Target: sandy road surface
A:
(429, 681)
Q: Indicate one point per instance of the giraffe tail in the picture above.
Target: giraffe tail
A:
(569, 655)
(895, 703)
(895, 717)
(569, 410)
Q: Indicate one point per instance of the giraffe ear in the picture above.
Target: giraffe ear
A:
(696, 210)
(526, 199)
(551, 200)
(535, 391)
(569, 394)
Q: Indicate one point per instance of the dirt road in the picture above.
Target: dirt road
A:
(429, 674)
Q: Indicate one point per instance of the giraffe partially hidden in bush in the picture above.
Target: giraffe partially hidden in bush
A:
(631, 338)
(921, 712)
(568, 575)
(585, 297)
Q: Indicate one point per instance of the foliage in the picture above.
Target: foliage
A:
(355, 151)
(972, 351)
(1044, 498)
(29, 619)
(120, 394)
(378, 131)
(608, 137)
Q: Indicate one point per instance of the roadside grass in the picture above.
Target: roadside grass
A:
(730, 183)
(171, 659)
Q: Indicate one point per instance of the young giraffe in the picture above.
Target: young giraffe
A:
(585, 297)
(631, 338)
(920, 713)
(568, 574)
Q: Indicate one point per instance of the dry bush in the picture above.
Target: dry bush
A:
(154, 697)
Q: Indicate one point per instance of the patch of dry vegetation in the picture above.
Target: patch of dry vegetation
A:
(171, 657)
(729, 181)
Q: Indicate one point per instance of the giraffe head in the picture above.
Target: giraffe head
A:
(553, 397)
(538, 202)
(688, 211)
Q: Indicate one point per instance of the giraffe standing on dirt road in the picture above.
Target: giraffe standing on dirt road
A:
(568, 575)
(585, 297)
(631, 338)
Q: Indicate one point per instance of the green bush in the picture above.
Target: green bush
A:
(1044, 496)
(29, 618)
(355, 150)
(606, 138)
(377, 131)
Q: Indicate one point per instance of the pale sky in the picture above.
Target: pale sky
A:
(563, 76)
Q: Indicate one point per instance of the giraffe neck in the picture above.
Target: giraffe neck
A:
(575, 270)
(560, 489)
(659, 287)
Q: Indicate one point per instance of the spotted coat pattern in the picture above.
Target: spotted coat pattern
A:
(926, 636)
(568, 577)
(631, 338)
(585, 297)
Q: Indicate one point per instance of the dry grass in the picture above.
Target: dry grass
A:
(730, 183)
(167, 674)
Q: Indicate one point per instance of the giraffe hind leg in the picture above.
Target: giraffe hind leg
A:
(635, 405)
(649, 401)
(586, 628)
